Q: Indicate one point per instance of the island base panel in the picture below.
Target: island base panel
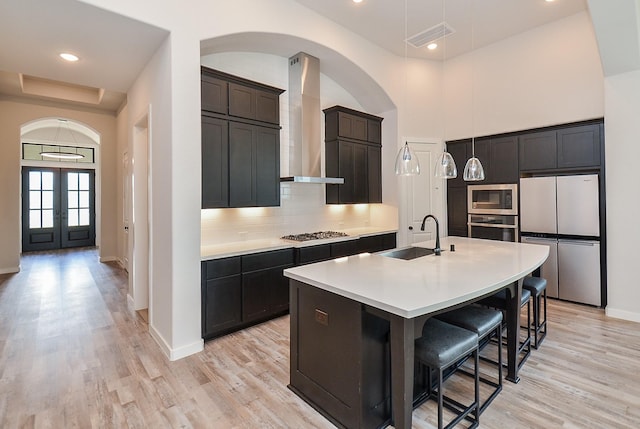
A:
(340, 361)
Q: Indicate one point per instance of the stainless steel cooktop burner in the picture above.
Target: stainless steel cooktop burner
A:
(319, 235)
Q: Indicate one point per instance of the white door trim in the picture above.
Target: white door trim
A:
(403, 209)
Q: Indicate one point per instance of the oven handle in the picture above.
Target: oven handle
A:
(492, 225)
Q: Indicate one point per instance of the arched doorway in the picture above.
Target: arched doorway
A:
(59, 160)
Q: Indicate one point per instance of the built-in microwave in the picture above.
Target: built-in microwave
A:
(493, 199)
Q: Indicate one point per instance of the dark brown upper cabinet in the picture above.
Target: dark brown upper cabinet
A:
(353, 151)
(568, 148)
(251, 103)
(214, 94)
(460, 151)
(457, 188)
(579, 146)
(499, 158)
(215, 162)
(538, 151)
(240, 142)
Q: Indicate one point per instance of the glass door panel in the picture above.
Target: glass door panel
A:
(78, 201)
(40, 209)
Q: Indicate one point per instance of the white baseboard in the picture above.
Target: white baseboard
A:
(10, 270)
(622, 314)
(130, 303)
(114, 259)
(179, 353)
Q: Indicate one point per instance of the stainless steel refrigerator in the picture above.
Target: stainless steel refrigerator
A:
(563, 212)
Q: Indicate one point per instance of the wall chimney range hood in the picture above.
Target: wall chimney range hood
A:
(305, 148)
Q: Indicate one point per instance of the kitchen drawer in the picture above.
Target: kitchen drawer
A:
(307, 255)
(344, 248)
(377, 243)
(260, 261)
(221, 267)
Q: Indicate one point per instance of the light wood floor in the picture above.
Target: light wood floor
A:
(73, 356)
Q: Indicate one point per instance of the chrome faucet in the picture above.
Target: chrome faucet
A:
(437, 248)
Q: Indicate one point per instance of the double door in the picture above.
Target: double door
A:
(58, 208)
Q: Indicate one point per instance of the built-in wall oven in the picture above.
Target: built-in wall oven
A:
(492, 211)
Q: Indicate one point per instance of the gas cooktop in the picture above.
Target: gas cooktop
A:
(319, 235)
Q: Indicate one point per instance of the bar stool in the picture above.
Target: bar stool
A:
(441, 346)
(499, 301)
(487, 324)
(538, 288)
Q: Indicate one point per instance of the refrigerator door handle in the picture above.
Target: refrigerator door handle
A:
(579, 242)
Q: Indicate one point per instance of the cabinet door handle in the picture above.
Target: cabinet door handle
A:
(411, 228)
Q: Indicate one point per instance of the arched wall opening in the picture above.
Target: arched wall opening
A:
(263, 57)
(65, 133)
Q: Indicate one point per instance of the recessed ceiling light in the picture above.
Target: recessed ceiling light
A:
(69, 57)
(432, 46)
(357, 1)
(549, 1)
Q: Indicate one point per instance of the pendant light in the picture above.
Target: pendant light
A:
(445, 167)
(473, 170)
(407, 163)
(60, 154)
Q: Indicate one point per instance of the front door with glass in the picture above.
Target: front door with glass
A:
(57, 208)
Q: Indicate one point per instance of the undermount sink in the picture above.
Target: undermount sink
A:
(408, 253)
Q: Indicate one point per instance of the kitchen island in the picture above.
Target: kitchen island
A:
(354, 321)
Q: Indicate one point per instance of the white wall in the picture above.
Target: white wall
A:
(547, 76)
(174, 146)
(122, 147)
(622, 151)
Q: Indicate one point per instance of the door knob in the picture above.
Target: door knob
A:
(410, 228)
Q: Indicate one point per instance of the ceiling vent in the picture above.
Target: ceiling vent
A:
(430, 35)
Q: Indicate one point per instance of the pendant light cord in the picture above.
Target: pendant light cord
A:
(444, 58)
(473, 71)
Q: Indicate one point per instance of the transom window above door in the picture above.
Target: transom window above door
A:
(34, 152)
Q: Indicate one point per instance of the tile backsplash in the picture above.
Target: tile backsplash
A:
(302, 209)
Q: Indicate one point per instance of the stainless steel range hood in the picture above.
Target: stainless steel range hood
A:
(305, 148)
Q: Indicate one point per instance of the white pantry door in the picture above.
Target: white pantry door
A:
(425, 194)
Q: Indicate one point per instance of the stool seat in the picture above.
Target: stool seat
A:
(473, 318)
(486, 323)
(535, 285)
(441, 347)
(443, 344)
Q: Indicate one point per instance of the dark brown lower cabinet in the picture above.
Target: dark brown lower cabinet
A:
(223, 301)
(265, 292)
(241, 291)
(221, 296)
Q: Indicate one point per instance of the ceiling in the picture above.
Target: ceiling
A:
(39, 30)
(383, 22)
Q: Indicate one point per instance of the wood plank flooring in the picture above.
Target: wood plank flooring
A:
(72, 355)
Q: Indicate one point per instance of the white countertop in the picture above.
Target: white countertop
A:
(422, 285)
(250, 246)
